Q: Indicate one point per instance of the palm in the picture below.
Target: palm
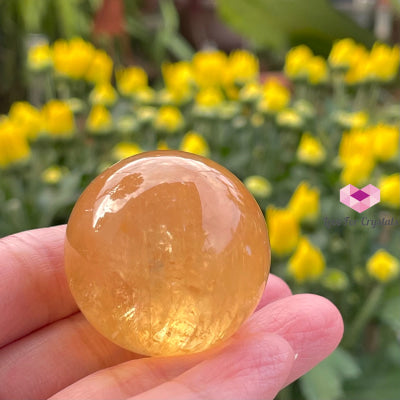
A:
(47, 348)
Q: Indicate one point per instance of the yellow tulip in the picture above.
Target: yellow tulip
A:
(100, 68)
(274, 97)
(296, 61)
(304, 202)
(383, 266)
(389, 187)
(58, 119)
(131, 80)
(209, 68)
(27, 117)
(194, 143)
(125, 149)
(242, 68)
(310, 150)
(209, 97)
(14, 147)
(385, 141)
(307, 263)
(342, 53)
(104, 94)
(284, 230)
(317, 70)
(168, 119)
(72, 58)
(40, 57)
(99, 119)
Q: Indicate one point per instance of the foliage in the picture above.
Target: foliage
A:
(278, 24)
(294, 144)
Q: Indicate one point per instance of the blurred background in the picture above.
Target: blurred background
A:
(298, 98)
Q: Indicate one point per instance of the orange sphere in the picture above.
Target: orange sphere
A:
(166, 253)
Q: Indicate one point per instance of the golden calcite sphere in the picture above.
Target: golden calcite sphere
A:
(166, 253)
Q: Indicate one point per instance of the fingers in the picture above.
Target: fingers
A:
(253, 368)
(33, 286)
(37, 366)
(43, 347)
(275, 289)
(310, 324)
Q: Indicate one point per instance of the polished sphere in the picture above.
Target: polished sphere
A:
(166, 253)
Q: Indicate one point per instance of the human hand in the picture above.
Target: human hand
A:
(48, 349)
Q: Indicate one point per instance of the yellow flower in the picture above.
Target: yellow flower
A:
(58, 119)
(317, 70)
(130, 80)
(104, 94)
(356, 120)
(162, 145)
(390, 190)
(304, 202)
(359, 65)
(250, 92)
(169, 119)
(305, 108)
(178, 79)
(40, 57)
(100, 68)
(209, 68)
(283, 230)
(14, 147)
(385, 141)
(341, 55)
(289, 118)
(296, 62)
(258, 186)
(145, 95)
(383, 266)
(307, 263)
(209, 97)
(383, 62)
(146, 114)
(275, 97)
(335, 279)
(27, 117)
(99, 119)
(357, 169)
(72, 58)
(310, 150)
(194, 143)
(53, 174)
(242, 68)
(356, 142)
(125, 149)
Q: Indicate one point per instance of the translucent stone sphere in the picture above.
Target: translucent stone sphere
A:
(166, 253)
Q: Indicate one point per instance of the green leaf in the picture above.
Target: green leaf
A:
(383, 385)
(278, 23)
(325, 381)
(32, 13)
(180, 48)
(169, 15)
(390, 313)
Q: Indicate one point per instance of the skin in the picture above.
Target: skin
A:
(49, 350)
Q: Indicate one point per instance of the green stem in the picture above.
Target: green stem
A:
(363, 316)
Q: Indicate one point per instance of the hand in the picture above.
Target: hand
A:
(47, 348)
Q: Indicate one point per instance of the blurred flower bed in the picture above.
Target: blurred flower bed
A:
(294, 139)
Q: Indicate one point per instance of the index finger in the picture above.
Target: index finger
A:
(33, 286)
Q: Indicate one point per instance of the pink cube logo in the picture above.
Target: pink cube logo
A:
(360, 199)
